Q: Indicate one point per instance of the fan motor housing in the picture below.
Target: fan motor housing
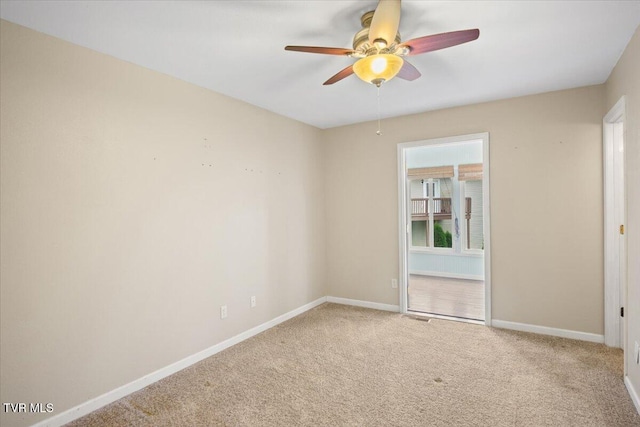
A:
(361, 42)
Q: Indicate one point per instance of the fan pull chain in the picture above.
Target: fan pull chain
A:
(378, 132)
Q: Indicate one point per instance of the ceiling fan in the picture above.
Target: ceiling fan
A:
(381, 52)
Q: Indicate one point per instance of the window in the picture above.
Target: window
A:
(432, 212)
(430, 188)
(446, 208)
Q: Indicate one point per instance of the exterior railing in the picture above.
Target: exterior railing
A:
(441, 207)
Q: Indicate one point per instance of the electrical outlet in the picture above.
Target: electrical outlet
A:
(223, 311)
(394, 283)
(253, 301)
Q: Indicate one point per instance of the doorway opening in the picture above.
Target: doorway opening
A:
(444, 227)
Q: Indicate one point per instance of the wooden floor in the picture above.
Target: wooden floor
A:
(447, 297)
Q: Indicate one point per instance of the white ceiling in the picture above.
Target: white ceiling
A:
(237, 48)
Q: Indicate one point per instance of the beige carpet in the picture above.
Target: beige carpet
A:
(345, 366)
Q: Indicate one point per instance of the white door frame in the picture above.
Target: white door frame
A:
(613, 129)
(404, 220)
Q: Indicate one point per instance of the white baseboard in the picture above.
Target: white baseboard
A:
(365, 304)
(544, 330)
(111, 396)
(635, 398)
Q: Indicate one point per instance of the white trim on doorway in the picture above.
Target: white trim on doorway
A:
(614, 216)
(404, 221)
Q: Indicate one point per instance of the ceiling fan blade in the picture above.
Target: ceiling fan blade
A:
(340, 75)
(385, 21)
(439, 41)
(322, 50)
(408, 72)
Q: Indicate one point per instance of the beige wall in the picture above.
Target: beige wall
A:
(120, 242)
(546, 205)
(133, 206)
(625, 80)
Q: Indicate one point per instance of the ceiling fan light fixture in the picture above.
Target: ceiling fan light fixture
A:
(376, 69)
